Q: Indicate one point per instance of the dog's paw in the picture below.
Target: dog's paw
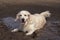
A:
(14, 30)
(28, 33)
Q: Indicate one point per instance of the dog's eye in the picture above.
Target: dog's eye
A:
(20, 15)
(25, 15)
(28, 15)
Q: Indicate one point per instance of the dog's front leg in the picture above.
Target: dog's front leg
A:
(30, 28)
(15, 30)
(30, 32)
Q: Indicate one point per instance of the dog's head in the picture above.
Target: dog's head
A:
(23, 16)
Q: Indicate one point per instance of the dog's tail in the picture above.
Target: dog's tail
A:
(45, 14)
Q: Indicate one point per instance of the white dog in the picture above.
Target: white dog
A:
(30, 22)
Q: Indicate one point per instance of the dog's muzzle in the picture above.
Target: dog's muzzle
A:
(23, 20)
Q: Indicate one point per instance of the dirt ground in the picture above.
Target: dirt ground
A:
(51, 31)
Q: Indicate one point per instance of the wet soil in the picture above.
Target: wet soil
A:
(51, 31)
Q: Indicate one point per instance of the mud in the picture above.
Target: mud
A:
(51, 30)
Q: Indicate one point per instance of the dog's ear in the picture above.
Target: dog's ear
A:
(17, 17)
(29, 16)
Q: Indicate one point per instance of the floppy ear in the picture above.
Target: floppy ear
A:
(17, 17)
(29, 16)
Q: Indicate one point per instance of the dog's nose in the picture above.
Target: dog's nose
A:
(23, 20)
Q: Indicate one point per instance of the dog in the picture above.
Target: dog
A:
(30, 22)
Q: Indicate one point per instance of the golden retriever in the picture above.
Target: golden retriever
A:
(30, 22)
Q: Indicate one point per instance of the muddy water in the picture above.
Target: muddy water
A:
(50, 32)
